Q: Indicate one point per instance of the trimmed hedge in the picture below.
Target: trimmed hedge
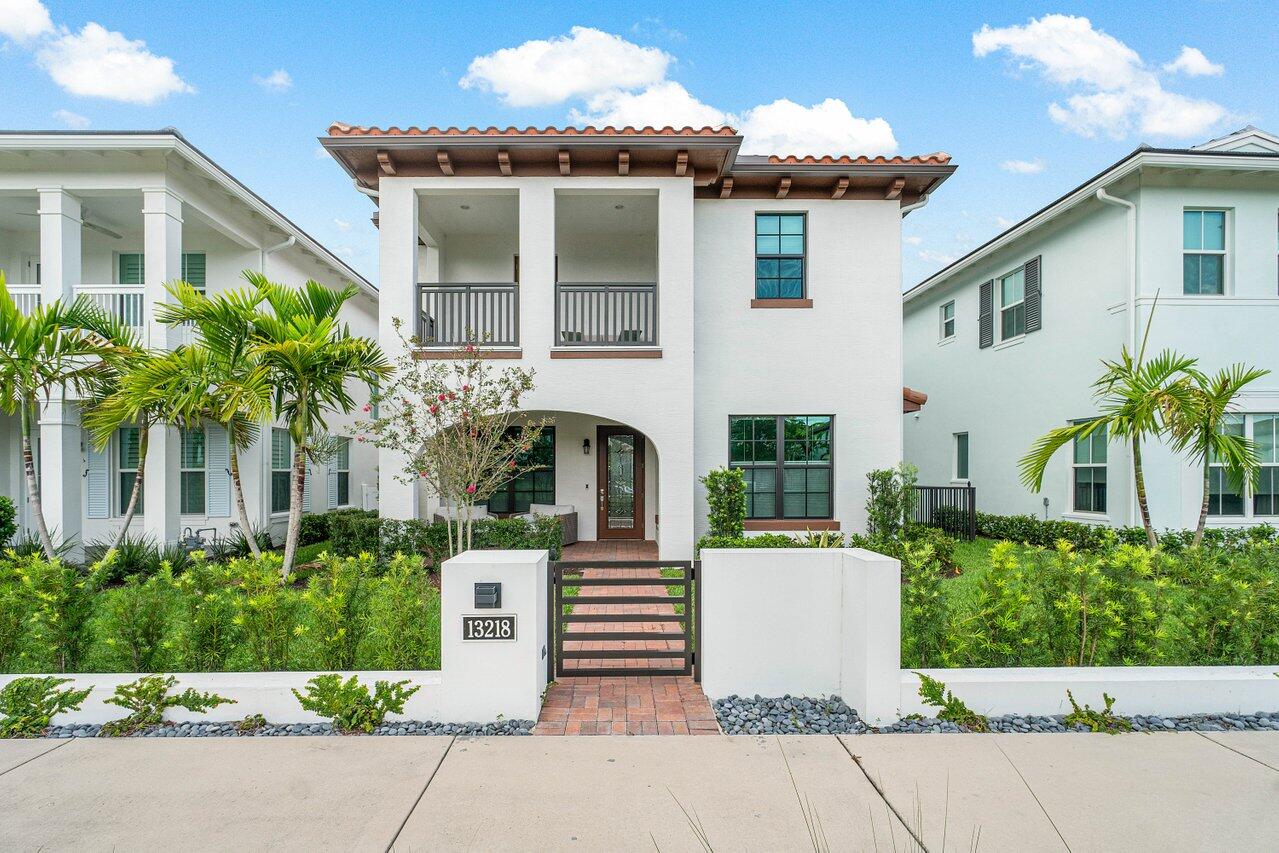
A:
(355, 532)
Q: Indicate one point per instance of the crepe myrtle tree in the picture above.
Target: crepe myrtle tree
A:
(456, 423)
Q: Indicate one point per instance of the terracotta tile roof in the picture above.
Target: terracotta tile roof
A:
(340, 129)
(938, 158)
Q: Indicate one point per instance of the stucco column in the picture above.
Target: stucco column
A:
(61, 471)
(60, 230)
(162, 259)
(398, 225)
(537, 268)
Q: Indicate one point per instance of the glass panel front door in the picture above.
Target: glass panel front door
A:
(621, 484)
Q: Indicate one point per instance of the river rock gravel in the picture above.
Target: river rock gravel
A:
(397, 728)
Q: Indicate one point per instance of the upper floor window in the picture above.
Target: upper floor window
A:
(1203, 251)
(948, 320)
(779, 255)
(786, 460)
(1012, 305)
(1090, 472)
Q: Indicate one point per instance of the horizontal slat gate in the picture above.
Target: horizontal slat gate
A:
(609, 630)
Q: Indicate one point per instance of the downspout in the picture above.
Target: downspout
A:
(271, 250)
(1131, 250)
(359, 187)
(916, 206)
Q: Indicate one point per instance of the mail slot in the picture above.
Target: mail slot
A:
(488, 596)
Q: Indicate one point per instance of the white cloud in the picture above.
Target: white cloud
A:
(784, 127)
(1116, 91)
(23, 20)
(584, 63)
(100, 63)
(278, 80)
(1023, 167)
(935, 257)
(912, 241)
(1004, 222)
(342, 225)
(1192, 62)
(75, 121)
(666, 103)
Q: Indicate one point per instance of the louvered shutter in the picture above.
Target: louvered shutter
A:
(193, 267)
(1033, 296)
(132, 268)
(217, 475)
(97, 485)
(333, 488)
(986, 314)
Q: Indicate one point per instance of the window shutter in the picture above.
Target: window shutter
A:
(132, 268)
(1032, 296)
(333, 488)
(986, 314)
(97, 484)
(193, 269)
(217, 476)
(306, 488)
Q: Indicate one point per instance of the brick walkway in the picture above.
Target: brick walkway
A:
(625, 705)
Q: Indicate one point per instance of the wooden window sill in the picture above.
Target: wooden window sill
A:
(790, 525)
(781, 303)
(449, 354)
(606, 352)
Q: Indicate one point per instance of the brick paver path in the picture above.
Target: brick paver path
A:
(663, 704)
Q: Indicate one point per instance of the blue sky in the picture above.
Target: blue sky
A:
(1032, 105)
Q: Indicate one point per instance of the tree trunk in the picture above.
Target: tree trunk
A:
(295, 508)
(1139, 478)
(26, 411)
(249, 536)
(1203, 508)
(144, 440)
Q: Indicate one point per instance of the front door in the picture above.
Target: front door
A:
(620, 476)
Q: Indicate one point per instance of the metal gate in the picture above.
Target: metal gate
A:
(621, 618)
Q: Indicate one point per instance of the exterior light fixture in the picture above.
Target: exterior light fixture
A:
(586, 446)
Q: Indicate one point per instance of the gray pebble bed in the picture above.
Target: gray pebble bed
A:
(803, 715)
(405, 728)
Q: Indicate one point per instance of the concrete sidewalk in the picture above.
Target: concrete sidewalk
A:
(1176, 791)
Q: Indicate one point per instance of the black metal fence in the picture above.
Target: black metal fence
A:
(951, 508)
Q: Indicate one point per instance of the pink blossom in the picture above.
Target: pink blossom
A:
(359, 438)
(434, 408)
(470, 348)
(367, 408)
(466, 387)
(443, 397)
(421, 473)
(470, 490)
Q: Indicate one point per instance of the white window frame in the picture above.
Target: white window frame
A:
(999, 284)
(116, 490)
(942, 320)
(1224, 251)
(1075, 465)
(1249, 514)
(184, 469)
(340, 472)
(954, 458)
(274, 470)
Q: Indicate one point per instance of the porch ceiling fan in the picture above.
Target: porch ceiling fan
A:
(84, 220)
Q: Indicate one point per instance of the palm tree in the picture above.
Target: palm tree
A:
(1199, 431)
(57, 347)
(1136, 399)
(310, 357)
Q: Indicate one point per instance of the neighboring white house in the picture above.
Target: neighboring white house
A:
(684, 308)
(115, 216)
(1007, 340)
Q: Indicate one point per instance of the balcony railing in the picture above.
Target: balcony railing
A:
(593, 315)
(25, 296)
(125, 302)
(451, 315)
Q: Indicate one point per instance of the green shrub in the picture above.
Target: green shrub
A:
(349, 704)
(268, 610)
(1096, 721)
(208, 609)
(339, 597)
(135, 621)
(314, 528)
(8, 525)
(354, 533)
(999, 629)
(29, 704)
(13, 615)
(60, 600)
(890, 500)
(1046, 533)
(726, 500)
(236, 544)
(403, 626)
(763, 540)
(148, 698)
(923, 606)
(952, 708)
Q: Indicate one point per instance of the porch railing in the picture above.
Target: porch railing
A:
(25, 296)
(951, 508)
(599, 314)
(125, 302)
(451, 315)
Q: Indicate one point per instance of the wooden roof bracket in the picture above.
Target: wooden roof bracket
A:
(565, 164)
(895, 191)
(783, 187)
(504, 161)
(841, 187)
(681, 164)
(726, 188)
(446, 166)
(385, 163)
(623, 162)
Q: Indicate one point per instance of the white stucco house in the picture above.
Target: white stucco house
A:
(684, 307)
(1007, 340)
(115, 215)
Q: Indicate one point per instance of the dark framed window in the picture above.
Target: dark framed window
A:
(1012, 304)
(780, 244)
(787, 462)
(961, 456)
(128, 442)
(948, 320)
(1203, 252)
(1265, 437)
(536, 486)
(1226, 487)
(281, 468)
(1090, 472)
(193, 472)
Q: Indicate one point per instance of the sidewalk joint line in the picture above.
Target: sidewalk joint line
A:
(1031, 790)
(882, 795)
(37, 755)
(396, 837)
(1204, 735)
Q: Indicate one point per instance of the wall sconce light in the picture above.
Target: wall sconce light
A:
(586, 446)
